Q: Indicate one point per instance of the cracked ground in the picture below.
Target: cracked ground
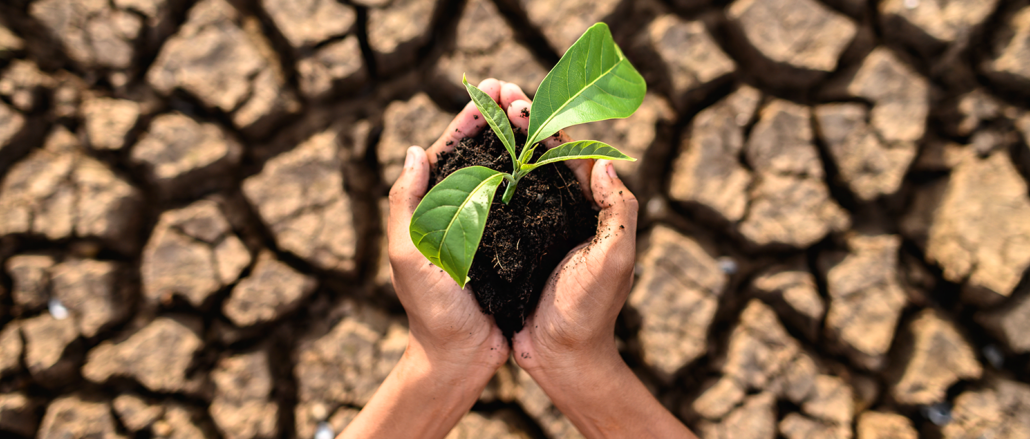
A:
(834, 241)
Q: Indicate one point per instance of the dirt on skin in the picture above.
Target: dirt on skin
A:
(525, 240)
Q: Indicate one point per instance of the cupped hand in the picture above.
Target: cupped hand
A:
(453, 348)
(447, 327)
(578, 307)
(574, 323)
(568, 343)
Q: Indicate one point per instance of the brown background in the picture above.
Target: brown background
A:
(835, 222)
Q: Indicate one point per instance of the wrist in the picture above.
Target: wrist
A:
(597, 391)
(574, 375)
(549, 357)
(596, 394)
(604, 399)
(464, 347)
(423, 397)
(463, 374)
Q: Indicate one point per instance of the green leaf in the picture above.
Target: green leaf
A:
(580, 149)
(448, 224)
(495, 116)
(593, 81)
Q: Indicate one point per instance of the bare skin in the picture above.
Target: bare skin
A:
(453, 348)
(568, 344)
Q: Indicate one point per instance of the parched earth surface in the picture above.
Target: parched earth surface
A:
(835, 222)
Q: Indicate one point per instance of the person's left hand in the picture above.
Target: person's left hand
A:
(447, 326)
(453, 348)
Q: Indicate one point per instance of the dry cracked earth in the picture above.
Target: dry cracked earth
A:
(835, 232)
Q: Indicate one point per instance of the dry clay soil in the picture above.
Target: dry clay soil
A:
(835, 220)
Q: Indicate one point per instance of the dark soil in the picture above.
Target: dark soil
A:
(525, 240)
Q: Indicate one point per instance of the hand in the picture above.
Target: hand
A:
(445, 320)
(568, 343)
(579, 305)
(453, 348)
(574, 323)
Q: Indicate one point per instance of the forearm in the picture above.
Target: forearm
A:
(604, 399)
(417, 400)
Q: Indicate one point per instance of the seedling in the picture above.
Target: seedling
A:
(593, 81)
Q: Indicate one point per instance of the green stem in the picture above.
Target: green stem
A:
(510, 190)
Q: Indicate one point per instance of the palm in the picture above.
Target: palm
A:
(582, 300)
(441, 315)
(570, 311)
(447, 310)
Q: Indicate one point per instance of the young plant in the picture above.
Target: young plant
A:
(593, 81)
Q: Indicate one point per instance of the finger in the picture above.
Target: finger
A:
(469, 122)
(518, 113)
(617, 222)
(405, 195)
(511, 93)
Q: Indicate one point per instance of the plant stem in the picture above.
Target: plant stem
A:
(509, 191)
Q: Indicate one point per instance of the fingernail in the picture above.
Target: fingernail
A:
(409, 159)
(611, 170)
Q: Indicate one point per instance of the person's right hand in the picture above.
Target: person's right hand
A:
(574, 323)
(568, 343)
(578, 307)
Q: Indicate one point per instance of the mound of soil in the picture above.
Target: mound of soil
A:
(526, 239)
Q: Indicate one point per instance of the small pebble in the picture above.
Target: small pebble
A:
(994, 356)
(57, 309)
(728, 265)
(324, 431)
(939, 414)
(656, 206)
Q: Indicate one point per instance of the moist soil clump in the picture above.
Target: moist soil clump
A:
(525, 240)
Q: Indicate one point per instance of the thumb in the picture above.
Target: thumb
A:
(406, 193)
(617, 222)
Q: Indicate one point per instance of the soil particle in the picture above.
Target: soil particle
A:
(525, 240)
